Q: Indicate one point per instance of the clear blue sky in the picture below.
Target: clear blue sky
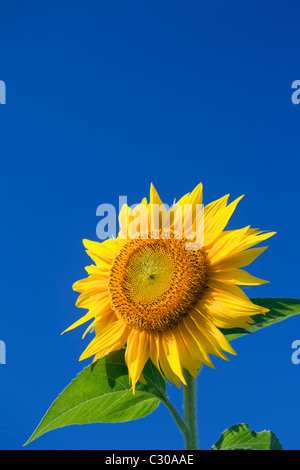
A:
(103, 98)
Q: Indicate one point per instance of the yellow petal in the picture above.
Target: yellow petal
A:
(111, 338)
(101, 250)
(194, 341)
(216, 224)
(227, 288)
(213, 208)
(91, 282)
(204, 337)
(154, 197)
(171, 353)
(239, 260)
(253, 238)
(154, 351)
(226, 243)
(102, 264)
(137, 354)
(227, 311)
(101, 323)
(191, 208)
(165, 365)
(87, 298)
(187, 360)
(157, 211)
(212, 333)
(92, 269)
(97, 309)
(183, 200)
(237, 276)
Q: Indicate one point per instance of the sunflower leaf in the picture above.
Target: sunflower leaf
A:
(280, 309)
(240, 437)
(102, 393)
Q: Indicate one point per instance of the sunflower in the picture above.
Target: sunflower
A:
(165, 295)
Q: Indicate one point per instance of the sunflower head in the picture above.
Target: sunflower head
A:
(153, 283)
(167, 284)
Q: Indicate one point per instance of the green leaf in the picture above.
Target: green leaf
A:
(101, 393)
(240, 437)
(280, 309)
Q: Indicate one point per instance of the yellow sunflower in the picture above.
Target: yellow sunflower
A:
(164, 298)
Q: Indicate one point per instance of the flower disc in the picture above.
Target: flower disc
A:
(154, 283)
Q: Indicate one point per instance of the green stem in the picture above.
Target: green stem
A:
(188, 426)
(190, 414)
(179, 421)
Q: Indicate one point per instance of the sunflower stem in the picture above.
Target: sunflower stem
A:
(190, 413)
(179, 421)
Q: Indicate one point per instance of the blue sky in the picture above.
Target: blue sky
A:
(103, 98)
